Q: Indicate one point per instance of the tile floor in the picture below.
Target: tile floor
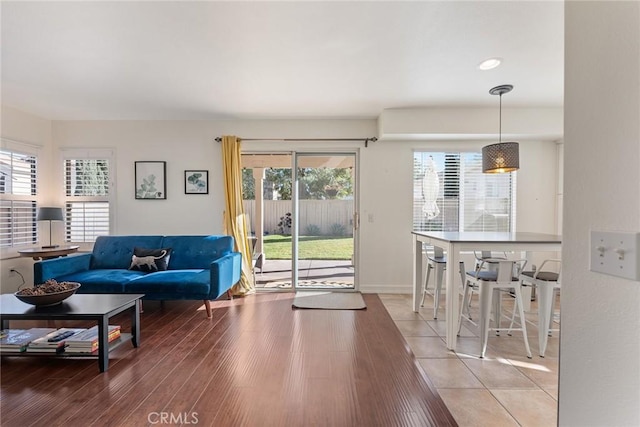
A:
(503, 389)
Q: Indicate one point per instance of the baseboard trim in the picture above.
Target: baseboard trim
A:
(391, 289)
(386, 289)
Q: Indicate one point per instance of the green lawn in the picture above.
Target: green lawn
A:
(310, 247)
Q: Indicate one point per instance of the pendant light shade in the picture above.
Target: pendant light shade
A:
(502, 157)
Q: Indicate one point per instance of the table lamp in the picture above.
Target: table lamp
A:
(50, 214)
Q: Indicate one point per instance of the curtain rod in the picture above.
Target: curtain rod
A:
(366, 140)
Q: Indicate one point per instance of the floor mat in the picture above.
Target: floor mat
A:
(310, 284)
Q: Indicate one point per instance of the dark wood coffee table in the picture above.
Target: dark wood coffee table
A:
(97, 307)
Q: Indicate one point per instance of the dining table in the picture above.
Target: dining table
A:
(456, 242)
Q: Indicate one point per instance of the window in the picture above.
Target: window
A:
(88, 196)
(17, 198)
(450, 193)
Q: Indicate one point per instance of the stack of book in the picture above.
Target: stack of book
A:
(87, 341)
(54, 342)
(17, 340)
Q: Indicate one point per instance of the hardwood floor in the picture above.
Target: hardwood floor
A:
(258, 362)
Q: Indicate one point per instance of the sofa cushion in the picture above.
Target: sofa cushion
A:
(196, 251)
(176, 282)
(105, 281)
(150, 260)
(116, 251)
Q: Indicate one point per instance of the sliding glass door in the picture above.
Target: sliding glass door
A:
(325, 221)
(302, 211)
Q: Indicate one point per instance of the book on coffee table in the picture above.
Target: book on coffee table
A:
(87, 341)
(54, 342)
(18, 342)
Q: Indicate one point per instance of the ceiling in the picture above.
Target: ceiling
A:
(188, 60)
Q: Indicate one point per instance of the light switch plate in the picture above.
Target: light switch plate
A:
(615, 253)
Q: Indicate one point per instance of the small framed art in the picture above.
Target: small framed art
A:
(151, 182)
(196, 182)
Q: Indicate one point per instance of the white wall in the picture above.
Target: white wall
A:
(471, 123)
(183, 145)
(20, 128)
(387, 198)
(600, 340)
(385, 181)
(186, 145)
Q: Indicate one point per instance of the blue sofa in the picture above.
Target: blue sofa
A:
(199, 267)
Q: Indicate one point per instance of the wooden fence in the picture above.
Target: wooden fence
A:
(329, 217)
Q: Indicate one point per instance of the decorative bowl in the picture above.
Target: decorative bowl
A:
(47, 298)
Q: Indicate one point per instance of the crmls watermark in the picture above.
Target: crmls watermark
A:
(172, 418)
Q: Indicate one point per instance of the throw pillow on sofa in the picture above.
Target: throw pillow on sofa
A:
(150, 260)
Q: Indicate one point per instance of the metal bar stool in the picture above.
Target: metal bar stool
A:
(546, 282)
(436, 261)
(505, 278)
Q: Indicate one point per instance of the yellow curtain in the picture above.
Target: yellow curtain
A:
(234, 219)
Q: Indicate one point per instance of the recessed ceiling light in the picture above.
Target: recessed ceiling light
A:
(489, 64)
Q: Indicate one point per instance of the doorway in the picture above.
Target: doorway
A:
(302, 209)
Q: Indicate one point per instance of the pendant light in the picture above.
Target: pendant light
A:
(504, 156)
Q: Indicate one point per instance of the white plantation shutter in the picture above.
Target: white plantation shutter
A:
(18, 173)
(88, 195)
(18, 205)
(86, 221)
(468, 200)
(18, 223)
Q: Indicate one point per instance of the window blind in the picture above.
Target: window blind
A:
(18, 205)
(86, 221)
(465, 199)
(87, 204)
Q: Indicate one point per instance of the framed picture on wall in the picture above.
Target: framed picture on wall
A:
(151, 182)
(196, 182)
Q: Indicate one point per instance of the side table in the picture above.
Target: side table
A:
(41, 254)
